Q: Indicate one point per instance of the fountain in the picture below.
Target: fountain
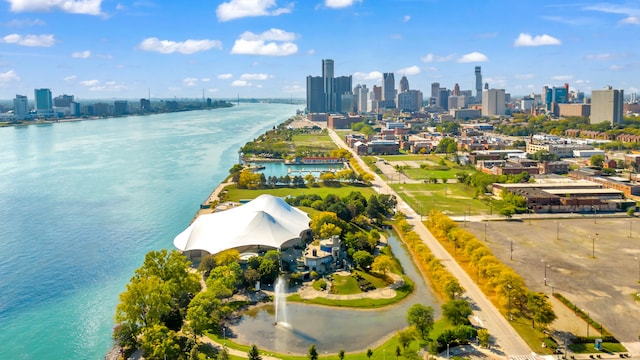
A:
(280, 302)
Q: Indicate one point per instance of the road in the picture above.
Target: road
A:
(510, 342)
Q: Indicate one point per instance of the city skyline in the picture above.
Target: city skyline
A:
(266, 48)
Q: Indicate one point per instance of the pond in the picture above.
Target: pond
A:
(330, 328)
(278, 169)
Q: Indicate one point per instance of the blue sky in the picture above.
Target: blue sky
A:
(266, 48)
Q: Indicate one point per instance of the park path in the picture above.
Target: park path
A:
(487, 315)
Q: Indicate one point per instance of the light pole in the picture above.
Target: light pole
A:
(593, 246)
(558, 230)
(509, 301)
(545, 271)
(511, 251)
(630, 224)
(224, 336)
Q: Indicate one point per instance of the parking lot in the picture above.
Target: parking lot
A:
(605, 286)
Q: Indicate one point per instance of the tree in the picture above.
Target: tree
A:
(363, 259)
(398, 352)
(341, 354)
(383, 264)
(158, 342)
(254, 353)
(457, 311)
(369, 353)
(144, 303)
(484, 337)
(224, 353)
(597, 160)
(328, 230)
(447, 145)
(508, 211)
(453, 288)
(540, 309)
(421, 317)
(406, 336)
(313, 353)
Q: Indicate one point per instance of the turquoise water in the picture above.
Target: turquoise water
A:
(82, 203)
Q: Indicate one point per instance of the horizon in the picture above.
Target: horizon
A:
(266, 48)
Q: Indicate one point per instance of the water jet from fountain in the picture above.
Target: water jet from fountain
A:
(280, 302)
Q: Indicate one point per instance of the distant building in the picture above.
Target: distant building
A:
(410, 100)
(389, 90)
(315, 94)
(44, 102)
(324, 94)
(63, 101)
(574, 109)
(145, 104)
(362, 98)
(493, 102)
(404, 84)
(20, 107)
(120, 107)
(478, 72)
(606, 106)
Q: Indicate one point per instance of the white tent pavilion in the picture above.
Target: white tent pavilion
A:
(267, 222)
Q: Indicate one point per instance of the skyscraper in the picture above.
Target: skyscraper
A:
(20, 106)
(606, 106)
(44, 102)
(388, 90)
(327, 77)
(493, 102)
(341, 86)
(363, 95)
(478, 84)
(315, 94)
(404, 84)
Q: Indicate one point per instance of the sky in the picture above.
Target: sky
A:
(101, 49)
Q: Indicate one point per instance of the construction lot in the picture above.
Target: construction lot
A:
(593, 262)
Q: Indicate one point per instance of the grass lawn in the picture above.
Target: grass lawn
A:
(235, 194)
(451, 199)
(607, 347)
(314, 141)
(345, 285)
(424, 174)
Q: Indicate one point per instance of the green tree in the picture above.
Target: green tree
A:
(484, 337)
(254, 353)
(406, 336)
(597, 160)
(369, 353)
(158, 342)
(145, 301)
(398, 352)
(421, 317)
(508, 211)
(447, 145)
(363, 259)
(313, 353)
(457, 311)
(453, 289)
(223, 354)
(540, 309)
(341, 354)
(383, 264)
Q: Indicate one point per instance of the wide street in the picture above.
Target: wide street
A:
(510, 343)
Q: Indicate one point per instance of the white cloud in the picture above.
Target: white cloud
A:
(524, 76)
(473, 57)
(205, 80)
(311, 52)
(616, 67)
(81, 54)
(406, 18)
(24, 23)
(8, 77)
(435, 58)
(70, 78)
(90, 83)
(601, 57)
(525, 39)
(562, 77)
(273, 42)
(236, 9)
(190, 81)
(225, 76)
(184, 47)
(338, 4)
(582, 82)
(88, 7)
(29, 40)
(254, 77)
(411, 70)
(240, 83)
(213, 90)
(634, 20)
(374, 75)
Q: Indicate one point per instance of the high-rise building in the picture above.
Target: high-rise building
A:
(20, 106)
(363, 97)
(478, 84)
(327, 77)
(315, 94)
(377, 92)
(555, 95)
(120, 107)
(44, 102)
(435, 90)
(606, 106)
(389, 90)
(443, 99)
(493, 102)
(456, 90)
(404, 84)
(341, 86)
(410, 100)
(63, 101)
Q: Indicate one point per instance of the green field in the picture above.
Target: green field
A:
(235, 194)
(314, 142)
(451, 198)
